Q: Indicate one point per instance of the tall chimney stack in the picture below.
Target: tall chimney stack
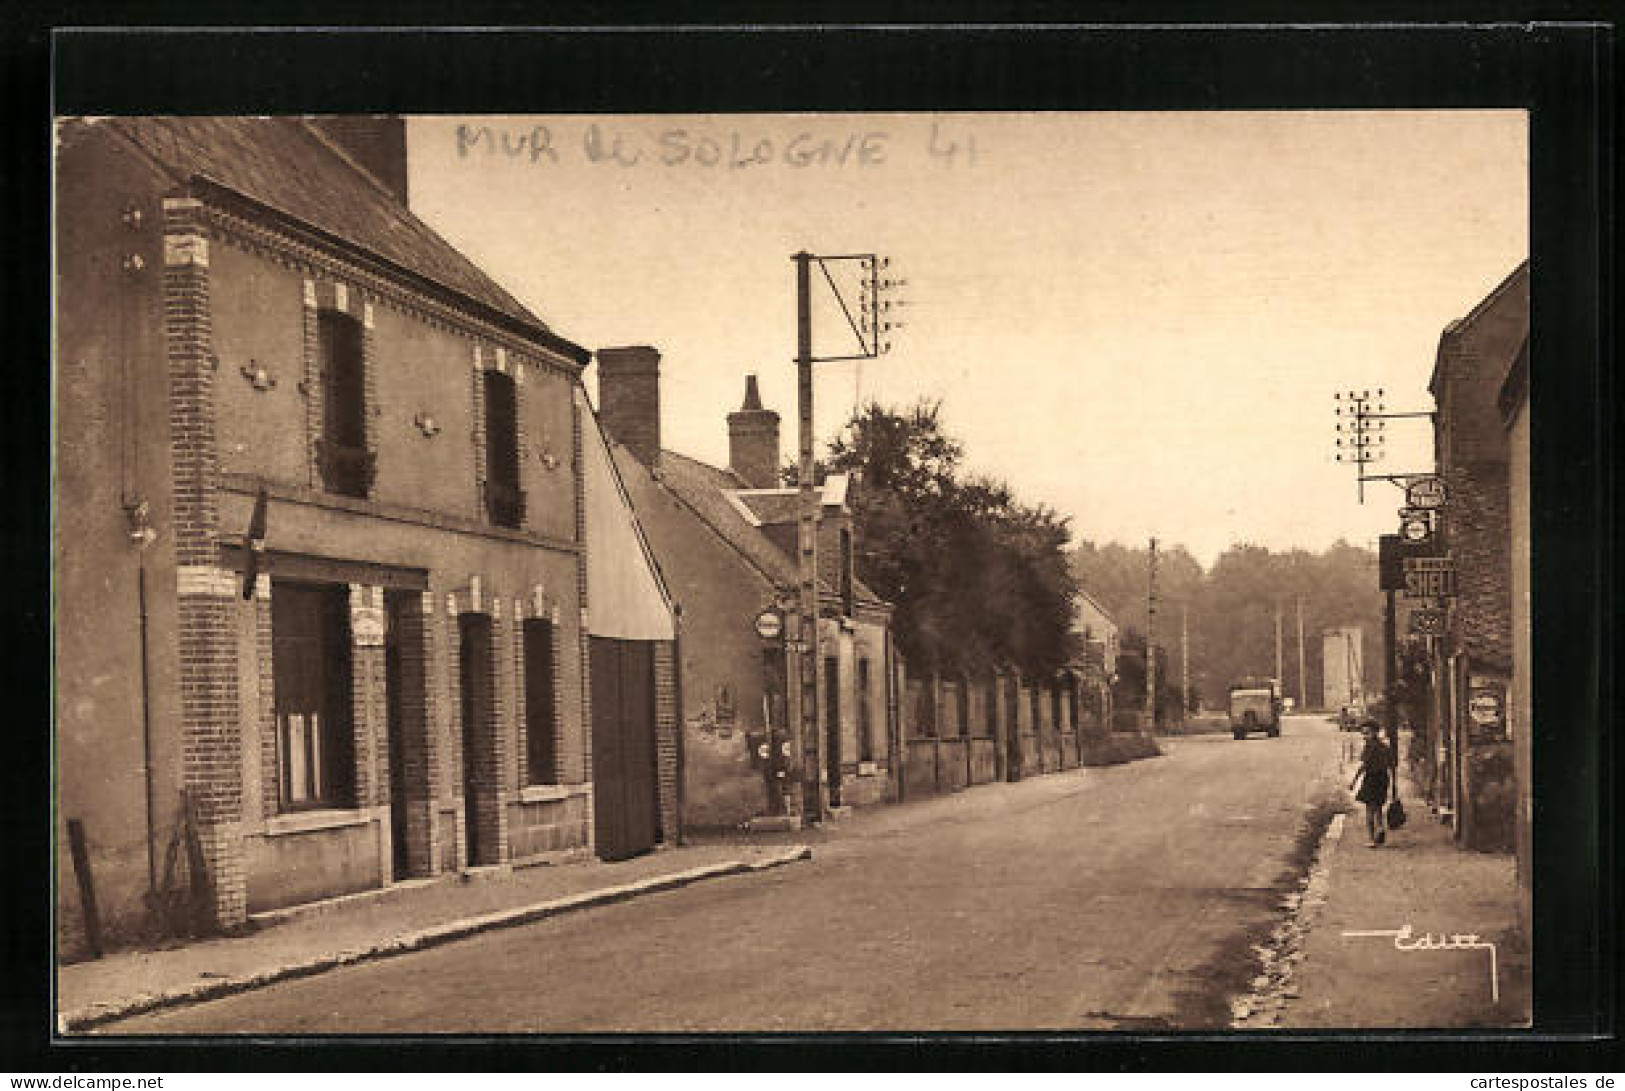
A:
(753, 441)
(629, 398)
(376, 142)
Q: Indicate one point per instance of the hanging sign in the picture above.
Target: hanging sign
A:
(1430, 578)
(1427, 493)
(1416, 530)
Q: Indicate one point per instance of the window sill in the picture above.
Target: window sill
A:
(311, 821)
(550, 793)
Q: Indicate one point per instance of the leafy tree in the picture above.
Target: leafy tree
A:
(977, 577)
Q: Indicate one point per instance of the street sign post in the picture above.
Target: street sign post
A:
(1427, 493)
(1430, 578)
(770, 624)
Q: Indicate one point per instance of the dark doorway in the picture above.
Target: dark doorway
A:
(623, 747)
(395, 607)
(541, 720)
(479, 783)
(832, 725)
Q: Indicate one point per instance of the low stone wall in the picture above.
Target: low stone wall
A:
(1118, 747)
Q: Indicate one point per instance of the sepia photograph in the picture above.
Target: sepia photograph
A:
(1035, 571)
(722, 538)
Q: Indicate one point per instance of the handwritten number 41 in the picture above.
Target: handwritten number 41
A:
(950, 150)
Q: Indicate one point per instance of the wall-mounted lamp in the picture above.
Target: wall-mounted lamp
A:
(426, 423)
(258, 375)
(138, 521)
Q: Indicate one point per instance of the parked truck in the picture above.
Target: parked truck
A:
(1255, 705)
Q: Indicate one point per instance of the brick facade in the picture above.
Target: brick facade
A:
(208, 677)
(1477, 781)
(224, 401)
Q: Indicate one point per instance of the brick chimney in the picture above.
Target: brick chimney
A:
(629, 398)
(753, 441)
(376, 142)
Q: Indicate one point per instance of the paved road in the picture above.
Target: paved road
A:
(1123, 897)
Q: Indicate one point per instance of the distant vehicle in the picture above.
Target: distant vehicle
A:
(1348, 719)
(1255, 705)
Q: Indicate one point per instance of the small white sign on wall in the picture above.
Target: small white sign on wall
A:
(367, 626)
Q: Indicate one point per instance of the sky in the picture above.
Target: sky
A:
(1138, 319)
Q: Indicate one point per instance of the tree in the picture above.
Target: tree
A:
(976, 576)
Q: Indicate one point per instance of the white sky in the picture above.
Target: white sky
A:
(1138, 319)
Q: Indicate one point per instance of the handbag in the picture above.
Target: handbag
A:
(1396, 811)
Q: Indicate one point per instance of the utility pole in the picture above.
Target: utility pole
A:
(1278, 678)
(1151, 636)
(1390, 714)
(819, 775)
(1303, 675)
(1184, 661)
(812, 797)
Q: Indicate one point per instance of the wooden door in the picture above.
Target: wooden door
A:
(623, 747)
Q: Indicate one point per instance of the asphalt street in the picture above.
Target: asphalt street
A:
(1112, 898)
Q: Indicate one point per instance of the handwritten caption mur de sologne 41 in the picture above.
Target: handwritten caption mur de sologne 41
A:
(715, 150)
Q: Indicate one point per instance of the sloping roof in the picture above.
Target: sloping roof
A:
(707, 490)
(1518, 279)
(626, 594)
(1099, 606)
(282, 163)
(769, 506)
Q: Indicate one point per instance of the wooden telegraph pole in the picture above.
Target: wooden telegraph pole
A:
(1303, 675)
(1151, 637)
(820, 764)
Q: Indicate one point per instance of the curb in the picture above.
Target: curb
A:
(110, 1011)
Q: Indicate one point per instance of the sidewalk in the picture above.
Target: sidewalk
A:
(1421, 879)
(405, 917)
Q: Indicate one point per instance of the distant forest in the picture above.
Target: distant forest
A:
(1232, 608)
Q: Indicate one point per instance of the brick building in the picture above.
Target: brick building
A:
(322, 514)
(725, 540)
(1471, 750)
(1513, 403)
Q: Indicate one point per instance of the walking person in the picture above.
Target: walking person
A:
(1373, 777)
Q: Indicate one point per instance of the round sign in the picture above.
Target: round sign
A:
(1415, 530)
(769, 625)
(1425, 493)
(1485, 708)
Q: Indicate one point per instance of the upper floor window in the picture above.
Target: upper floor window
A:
(346, 465)
(504, 500)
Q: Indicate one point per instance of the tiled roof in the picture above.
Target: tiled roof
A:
(784, 505)
(282, 163)
(705, 490)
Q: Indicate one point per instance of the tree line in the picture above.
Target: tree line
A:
(978, 577)
(1231, 609)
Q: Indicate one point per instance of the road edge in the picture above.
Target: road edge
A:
(420, 939)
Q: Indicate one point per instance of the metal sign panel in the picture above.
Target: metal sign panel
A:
(1429, 577)
(1427, 493)
(769, 624)
(1427, 621)
(1416, 530)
